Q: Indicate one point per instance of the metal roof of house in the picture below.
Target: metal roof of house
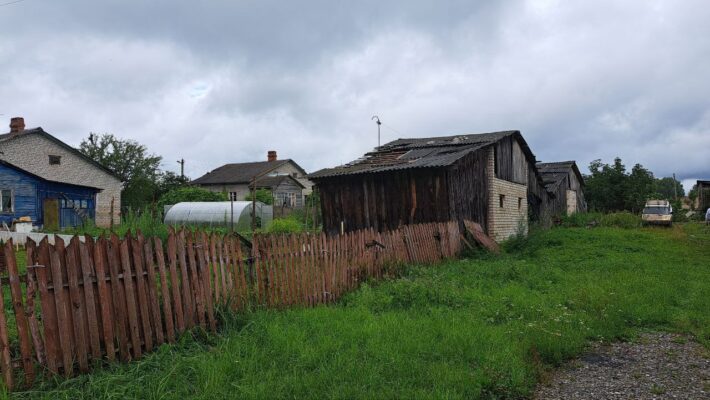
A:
(430, 152)
(241, 172)
(43, 133)
(553, 173)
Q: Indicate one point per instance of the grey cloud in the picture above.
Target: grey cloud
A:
(218, 82)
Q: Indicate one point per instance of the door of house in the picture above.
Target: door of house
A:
(571, 202)
(51, 214)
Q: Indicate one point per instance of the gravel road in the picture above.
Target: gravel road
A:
(656, 366)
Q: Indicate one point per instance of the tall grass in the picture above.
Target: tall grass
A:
(622, 219)
(472, 328)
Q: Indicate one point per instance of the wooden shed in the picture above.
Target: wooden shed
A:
(564, 180)
(489, 178)
(703, 195)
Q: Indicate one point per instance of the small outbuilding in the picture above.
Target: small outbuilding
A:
(46, 204)
(286, 190)
(488, 178)
(564, 180)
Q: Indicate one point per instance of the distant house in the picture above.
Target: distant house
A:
(235, 179)
(566, 182)
(53, 183)
(703, 195)
(286, 190)
(489, 178)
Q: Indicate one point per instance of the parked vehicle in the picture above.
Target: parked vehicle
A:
(657, 212)
(707, 217)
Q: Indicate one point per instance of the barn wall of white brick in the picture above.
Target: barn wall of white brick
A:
(512, 217)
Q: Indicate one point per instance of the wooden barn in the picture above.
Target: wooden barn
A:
(564, 180)
(489, 178)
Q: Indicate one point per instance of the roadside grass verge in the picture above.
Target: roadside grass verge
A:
(485, 327)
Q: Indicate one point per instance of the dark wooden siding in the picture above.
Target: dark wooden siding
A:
(384, 201)
(468, 188)
(538, 198)
(510, 161)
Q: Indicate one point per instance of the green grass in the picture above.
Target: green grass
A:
(484, 327)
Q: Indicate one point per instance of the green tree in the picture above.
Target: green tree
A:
(263, 195)
(170, 180)
(664, 188)
(640, 186)
(131, 162)
(610, 188)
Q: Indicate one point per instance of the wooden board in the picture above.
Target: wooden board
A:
(480, 237)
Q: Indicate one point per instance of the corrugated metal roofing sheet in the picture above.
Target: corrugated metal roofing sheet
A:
(404, 154)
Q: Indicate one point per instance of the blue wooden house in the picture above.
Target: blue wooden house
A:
(49, 204)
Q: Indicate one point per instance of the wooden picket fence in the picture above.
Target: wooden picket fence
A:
(118, 298)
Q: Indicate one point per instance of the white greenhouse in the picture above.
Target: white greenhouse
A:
(218, 213)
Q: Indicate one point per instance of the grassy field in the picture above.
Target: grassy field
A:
(481, 327)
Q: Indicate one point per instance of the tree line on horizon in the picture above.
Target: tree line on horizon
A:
(611, 188)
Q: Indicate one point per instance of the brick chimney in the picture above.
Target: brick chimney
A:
(271, 155)
(17, 124)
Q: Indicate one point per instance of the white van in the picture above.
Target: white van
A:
(657, 212)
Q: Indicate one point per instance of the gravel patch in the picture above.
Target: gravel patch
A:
(656, 366)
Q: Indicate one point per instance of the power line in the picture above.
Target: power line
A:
(392, 129)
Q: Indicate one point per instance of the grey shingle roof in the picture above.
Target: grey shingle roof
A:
(419, 153)
(240, 172)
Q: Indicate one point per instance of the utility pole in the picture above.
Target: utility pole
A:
(182, 167)
(377, 121)
(675, 185)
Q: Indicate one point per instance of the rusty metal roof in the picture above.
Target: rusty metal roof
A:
(430, 152)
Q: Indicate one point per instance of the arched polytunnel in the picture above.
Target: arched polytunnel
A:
(218, 213)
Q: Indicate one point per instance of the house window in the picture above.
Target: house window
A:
(287, 199)
(6, 200)
(501, 199)
(55, 160)
(233, 196)
(520, 203)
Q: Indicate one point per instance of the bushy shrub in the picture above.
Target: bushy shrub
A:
(622, 219)
(190, 193)
(284, 225)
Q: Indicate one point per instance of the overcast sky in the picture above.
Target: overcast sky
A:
(216, 82)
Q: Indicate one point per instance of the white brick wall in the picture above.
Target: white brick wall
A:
(506, 221)
(31, 153)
